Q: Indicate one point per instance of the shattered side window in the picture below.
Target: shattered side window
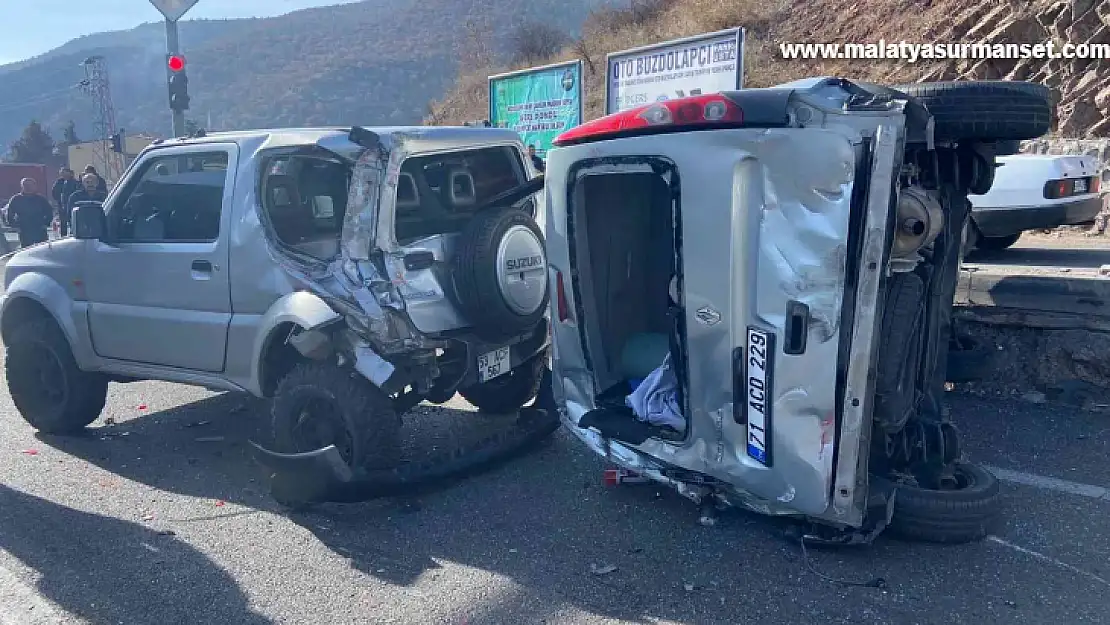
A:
(304, 199)
(438, 193)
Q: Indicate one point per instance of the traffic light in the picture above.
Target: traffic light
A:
(117, 142)
(179, 83)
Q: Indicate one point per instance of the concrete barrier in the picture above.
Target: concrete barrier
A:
(1049, 330)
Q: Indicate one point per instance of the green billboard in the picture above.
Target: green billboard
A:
(539, 103)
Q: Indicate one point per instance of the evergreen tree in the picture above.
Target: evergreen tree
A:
(34, 146)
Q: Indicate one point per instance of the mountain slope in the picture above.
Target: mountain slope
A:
(372, 62)
(1082, 87)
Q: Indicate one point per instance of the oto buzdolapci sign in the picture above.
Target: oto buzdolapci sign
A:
(704, 64)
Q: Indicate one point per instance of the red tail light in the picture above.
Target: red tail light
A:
(672, 115)
(561, 297)
(1095, 183)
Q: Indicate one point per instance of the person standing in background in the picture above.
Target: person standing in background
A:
(30, 214)
(89, 192)
(65, 186)
(101, 184)
(537, 162)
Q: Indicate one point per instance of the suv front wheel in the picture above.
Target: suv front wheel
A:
(46, 385)
(511, 391)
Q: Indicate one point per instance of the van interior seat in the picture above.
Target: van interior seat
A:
(642, 353)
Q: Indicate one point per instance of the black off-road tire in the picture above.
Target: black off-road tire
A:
(83, 393)
(947, 516)
(475, 275)
(996, 244)
(365, 411)
(985, 110)
(508, 393)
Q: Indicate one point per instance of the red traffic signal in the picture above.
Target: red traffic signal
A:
(176, 63)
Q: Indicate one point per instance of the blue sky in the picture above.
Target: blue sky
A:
(37, 26)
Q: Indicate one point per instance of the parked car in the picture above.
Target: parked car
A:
(1033, 192)
(346, 274)
(753, 293)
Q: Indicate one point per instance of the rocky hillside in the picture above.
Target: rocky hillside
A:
(371, 62)
(1081, 86)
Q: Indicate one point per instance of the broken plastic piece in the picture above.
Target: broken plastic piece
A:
(375, 368)
(602, 570)
(142, 406)
(30, 452)
(220, 502)
(613, 477)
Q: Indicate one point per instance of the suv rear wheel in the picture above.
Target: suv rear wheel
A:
(321, 404)
(508, 393)
(47, 387)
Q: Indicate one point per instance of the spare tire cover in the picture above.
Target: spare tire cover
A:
(500, 273)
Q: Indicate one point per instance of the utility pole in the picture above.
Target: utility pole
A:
(96, 86)
(176, 80)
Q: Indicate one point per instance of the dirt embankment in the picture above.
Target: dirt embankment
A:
(1082, 86)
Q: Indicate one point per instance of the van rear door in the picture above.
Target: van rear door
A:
(763, 231)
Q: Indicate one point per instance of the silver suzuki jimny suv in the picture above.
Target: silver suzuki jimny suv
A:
(349, 274)
(752, 295)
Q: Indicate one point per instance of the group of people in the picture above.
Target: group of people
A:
(31, 214)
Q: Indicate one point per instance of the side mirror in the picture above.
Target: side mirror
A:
(89, 221)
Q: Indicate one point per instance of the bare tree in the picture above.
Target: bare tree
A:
(475, 49)
(536, 41)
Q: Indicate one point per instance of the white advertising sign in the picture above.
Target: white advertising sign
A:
(174, 9)
(704, 64)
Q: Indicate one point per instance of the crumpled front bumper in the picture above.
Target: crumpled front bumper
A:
(323, 476)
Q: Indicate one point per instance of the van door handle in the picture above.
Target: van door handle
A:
(797, 328)
(202, 265)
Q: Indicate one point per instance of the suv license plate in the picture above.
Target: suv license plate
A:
(493, 364)
(1080, 186)
(760, 358)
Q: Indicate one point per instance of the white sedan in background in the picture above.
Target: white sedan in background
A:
(1033, 192)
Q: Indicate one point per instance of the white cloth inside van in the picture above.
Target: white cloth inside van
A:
(655, 400)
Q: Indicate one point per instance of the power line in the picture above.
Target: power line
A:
(54, 95)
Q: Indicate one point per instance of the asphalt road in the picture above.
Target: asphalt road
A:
(162, 517)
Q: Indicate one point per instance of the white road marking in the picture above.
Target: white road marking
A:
(1048, 560)
(1050, 483)
(22, 605)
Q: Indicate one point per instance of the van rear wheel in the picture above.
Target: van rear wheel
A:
(48, 388)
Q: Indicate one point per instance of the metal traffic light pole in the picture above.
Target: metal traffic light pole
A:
(173, 47)
(173, 10)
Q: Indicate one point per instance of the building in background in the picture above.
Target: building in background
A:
(90, 153)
